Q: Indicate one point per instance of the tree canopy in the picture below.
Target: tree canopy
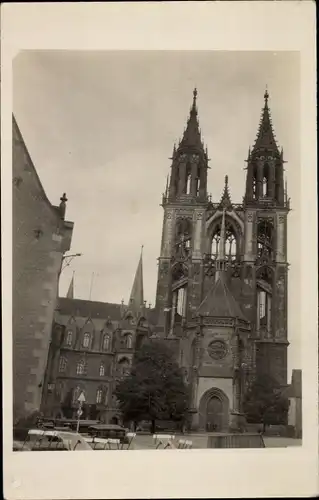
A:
(155, 389)
(264, 402)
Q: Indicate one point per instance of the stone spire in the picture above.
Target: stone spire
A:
(192, 135)
(265, 137)
(70, 294)
(225, 201)
(136, 302)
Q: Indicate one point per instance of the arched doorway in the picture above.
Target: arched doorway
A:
(214, 411)
(214, 414)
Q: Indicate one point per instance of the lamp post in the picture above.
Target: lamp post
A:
(81, 400)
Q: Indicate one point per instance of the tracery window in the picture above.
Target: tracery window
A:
(230, 242)
(102, 370)
(99, 396)
(265, 239)
(86, 340)
(264, 298)
(181, 301)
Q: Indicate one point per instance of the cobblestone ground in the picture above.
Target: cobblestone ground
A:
(143, 442)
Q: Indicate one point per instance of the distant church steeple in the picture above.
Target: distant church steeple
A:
(136, 302)
(189, 161)
(70, 293)
(264, 181)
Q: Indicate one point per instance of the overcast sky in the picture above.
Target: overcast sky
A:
(101, 126)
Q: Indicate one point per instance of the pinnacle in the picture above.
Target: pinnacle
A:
(225, 201)
(192, 133)
(265, 136)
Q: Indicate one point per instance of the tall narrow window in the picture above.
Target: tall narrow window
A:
(62, 365)
(76, 394)
(128, 341)
(69, 338)
(86, 340)
(106, 342)
(181, 301)
(264, 310)
(188, 184)
(230, 243)
(265, 187)
(99, 396)
(102, 370)
(80, 368)
(254, 186)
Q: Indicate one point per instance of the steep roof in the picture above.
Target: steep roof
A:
(136, 302)
(220, 302)
(192, 135)
(265, 136)
(88, 308)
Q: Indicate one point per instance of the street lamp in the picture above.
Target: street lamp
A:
(67, 259)
(81, 400)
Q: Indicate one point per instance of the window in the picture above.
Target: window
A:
(62, 365)
(69, 337)
(128, 341)
(181, 301)
(86, 340)
(124, 366)
(102, 370)
(265, 187)
(106, 342)
(230, 245)
(80, 368)
(99, 396)
(264, 310)
(188, 184)
(265, 239)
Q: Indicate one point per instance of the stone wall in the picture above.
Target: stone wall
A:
(40, 238)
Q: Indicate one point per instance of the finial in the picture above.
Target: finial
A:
(226, 180)
(195, 93)
(266, 95)
(142, 246)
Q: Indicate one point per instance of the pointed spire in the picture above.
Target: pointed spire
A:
(70, 294)
(225, 201)
(265, 136)
(136, 301)
(192, 136)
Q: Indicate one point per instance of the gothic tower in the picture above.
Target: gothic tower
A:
(265, 266)
(179, 286)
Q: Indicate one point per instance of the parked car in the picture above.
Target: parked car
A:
(109, 431)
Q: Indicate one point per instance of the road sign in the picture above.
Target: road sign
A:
(81, 398)
(80, 412)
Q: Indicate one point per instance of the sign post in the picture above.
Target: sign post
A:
(81, 400)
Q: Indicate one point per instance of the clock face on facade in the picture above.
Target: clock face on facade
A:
(217, 349)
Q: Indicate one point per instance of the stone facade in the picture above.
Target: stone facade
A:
(243, 247)
(40, 237)
(91, 350)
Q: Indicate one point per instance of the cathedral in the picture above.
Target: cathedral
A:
(221, 299)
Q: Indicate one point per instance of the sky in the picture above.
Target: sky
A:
(101, 127)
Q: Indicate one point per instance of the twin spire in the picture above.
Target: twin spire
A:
(265, 136)
(192, 134)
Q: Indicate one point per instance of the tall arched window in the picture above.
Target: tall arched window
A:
(106, 342)
(231, 250)
(80, 368)
(265, 187)
(128, 341)
(62, 364)
(265, 239)
(99, 396)
(86, 340)
(188, 183)
(102, 370)
(181, 301)
(264, 299)
(124, 366)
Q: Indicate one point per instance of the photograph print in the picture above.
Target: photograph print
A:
(156, 209)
